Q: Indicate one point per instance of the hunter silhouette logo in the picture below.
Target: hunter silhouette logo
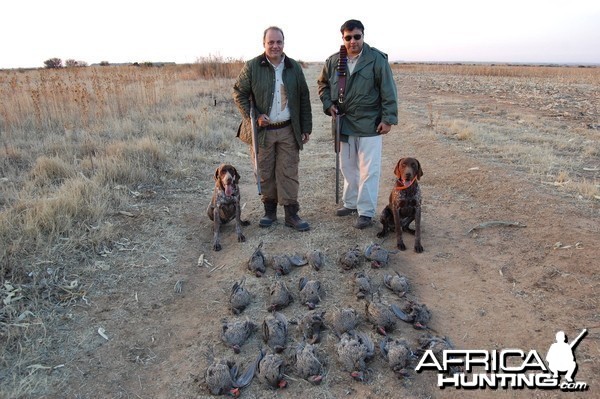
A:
(506, 368)
(560, 356)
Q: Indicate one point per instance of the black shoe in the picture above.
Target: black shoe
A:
(343, 211)
(270, 214)
(363, 221)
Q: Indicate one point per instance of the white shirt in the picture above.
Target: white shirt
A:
(352, 62)
(280, 111)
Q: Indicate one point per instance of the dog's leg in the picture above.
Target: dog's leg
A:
(398, 228)
(216, 229)
(386, 220)
(238, 221)
(418, 246)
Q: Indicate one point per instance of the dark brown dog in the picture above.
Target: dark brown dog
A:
(404, 204)
(225, 203)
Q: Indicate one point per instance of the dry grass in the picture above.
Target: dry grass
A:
(70, 141)
(562, 74)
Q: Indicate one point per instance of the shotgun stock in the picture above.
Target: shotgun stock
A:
(255, 143)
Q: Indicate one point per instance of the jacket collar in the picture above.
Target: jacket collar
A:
(265, 62)
(366, 56)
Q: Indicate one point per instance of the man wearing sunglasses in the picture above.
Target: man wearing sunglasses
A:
(367, 103)
(281, 99)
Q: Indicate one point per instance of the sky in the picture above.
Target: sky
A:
(184, 31)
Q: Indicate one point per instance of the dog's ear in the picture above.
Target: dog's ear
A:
(398, 169)
(236, 176)
(217, 173)
(420, 171)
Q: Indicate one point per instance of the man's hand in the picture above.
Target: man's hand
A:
(384, 128)
(263, 120)
(305, 138)
(333, 111)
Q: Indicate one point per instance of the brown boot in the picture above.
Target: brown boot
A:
(270, 213)
(293, 220)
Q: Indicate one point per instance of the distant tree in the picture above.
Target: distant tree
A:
(73, 63)
(104, 63)
(53, 63)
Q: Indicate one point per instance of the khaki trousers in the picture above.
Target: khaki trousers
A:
(278, 164)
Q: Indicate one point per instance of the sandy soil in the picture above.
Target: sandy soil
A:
(491, 288)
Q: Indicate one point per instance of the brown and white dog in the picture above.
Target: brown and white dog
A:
(404, 204)
(225, 203)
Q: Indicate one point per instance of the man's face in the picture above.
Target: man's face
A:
(353, 40)
(273, 44)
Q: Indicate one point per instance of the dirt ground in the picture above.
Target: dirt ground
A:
(494, 287)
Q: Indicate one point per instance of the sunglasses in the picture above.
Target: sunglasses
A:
(356, 37)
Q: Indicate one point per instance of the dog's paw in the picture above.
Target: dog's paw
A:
(401, 246)
(381, 234)
(418, 248)
(217, 247)
(241, 238)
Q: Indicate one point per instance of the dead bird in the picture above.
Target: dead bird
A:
(257, 263)
(397, 353)
(437, 345)
(362, 285)
(271, 370)
(298, 260)
(378, 255)
(316, 259)
(281, 264)
(239, 298)
(413, 312)
(236, 333)
(311, 324)
(275, 329)
(344, 320)
(222, 377)
(380, 315)
(354, 350)
(351, 259)
(308, 365)
(310, 292)
(279, 295)
(397, 283)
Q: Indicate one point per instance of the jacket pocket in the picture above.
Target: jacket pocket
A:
(244, 132)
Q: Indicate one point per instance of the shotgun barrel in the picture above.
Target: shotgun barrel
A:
(254, 122)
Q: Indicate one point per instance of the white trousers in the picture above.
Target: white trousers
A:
(360, 163)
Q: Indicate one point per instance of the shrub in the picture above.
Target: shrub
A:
(53, 63)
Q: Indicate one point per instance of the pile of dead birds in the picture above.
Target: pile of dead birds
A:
(290, 346)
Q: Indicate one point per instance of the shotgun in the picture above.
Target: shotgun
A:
(335, 127)
(254, 123)
(341, 71)
(576, 340)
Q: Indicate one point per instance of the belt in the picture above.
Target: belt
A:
(279, 125)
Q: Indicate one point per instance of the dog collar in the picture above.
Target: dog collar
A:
(400, 187)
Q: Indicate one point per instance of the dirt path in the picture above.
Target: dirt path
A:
(493, 288)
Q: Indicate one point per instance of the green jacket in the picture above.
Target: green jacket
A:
(258, 77)
(370, 93)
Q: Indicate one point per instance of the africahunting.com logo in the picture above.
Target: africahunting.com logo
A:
(507, 368)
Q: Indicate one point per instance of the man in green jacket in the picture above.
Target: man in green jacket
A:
(282, 101)
(368, 109)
